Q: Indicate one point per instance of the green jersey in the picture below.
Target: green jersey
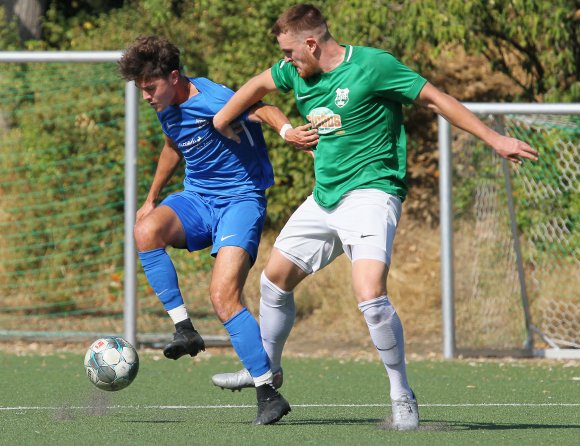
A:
(358, 108)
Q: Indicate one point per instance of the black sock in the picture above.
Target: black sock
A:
(184, 325)
(265, 392)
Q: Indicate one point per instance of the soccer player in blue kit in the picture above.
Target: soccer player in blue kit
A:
(223, 204)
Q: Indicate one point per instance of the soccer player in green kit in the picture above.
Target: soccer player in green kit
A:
(352, 98)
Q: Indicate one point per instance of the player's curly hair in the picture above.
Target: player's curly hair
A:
(149, 57)
(301, 18)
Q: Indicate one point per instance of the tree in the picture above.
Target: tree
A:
(28, 14)
(534, 42)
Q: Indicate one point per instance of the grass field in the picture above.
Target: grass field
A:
(47, 399)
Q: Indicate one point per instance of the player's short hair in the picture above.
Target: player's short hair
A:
(300, 19)
(149, 57)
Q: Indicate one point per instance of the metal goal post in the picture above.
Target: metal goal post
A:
(130, 168)
(497, 112)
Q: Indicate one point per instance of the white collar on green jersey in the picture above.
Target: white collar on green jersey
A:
(348, 54)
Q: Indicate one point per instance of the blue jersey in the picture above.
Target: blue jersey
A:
(214, 164)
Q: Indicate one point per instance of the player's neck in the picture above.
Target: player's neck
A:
(332, 55)
(185, 90)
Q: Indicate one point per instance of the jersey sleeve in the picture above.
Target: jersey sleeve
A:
(393, 80)
(283, 74)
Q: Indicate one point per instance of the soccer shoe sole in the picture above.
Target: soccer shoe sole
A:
(242, 380)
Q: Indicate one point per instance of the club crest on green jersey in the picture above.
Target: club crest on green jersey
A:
(341, 97)
(325, 120)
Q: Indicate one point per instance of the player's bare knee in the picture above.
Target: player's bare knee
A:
(147, 236)
(284, 273)
(144, 236)
(368, 292)
(225, 303)
(223, 311)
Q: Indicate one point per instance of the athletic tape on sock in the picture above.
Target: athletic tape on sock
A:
(384, 327)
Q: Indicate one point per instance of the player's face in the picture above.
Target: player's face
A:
(298, 53)
(159, 92)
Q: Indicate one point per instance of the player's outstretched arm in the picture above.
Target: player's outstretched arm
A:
(168, 162)
(248, 94)
(457, 114)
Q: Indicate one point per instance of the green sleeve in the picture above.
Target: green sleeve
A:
(393, 80)
(282, 72)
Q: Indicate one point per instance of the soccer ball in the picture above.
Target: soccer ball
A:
(111, 363)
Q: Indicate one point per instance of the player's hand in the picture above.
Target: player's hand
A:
(514, 150)
(303, 137)
(144, 211)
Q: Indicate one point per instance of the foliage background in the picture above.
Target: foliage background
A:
(499, 50)
(520, 49)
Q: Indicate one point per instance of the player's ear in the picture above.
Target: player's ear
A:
(174, 77)
(312, 44)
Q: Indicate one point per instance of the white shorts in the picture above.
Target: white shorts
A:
(362, 225)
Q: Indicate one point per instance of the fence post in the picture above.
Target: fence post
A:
(446, 227)
(131, 132)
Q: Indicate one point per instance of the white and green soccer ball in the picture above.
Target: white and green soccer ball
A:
(111, 363)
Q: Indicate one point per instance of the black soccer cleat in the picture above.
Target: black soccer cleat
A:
(185, 342)
(271, 409)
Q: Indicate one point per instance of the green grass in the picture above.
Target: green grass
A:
(334, 402)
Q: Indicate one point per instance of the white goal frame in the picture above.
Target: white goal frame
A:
(446, 225)
(131, 134)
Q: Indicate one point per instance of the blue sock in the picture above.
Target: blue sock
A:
(162, 277)
(244, 333)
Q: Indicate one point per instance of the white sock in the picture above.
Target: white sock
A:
(266, 378)
(178, 314)
(277, 314)
(386, 332)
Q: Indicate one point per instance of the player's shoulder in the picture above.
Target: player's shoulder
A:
(366, 54)
(371, 62)
(285, 67)
(285, 75)
(203, 83)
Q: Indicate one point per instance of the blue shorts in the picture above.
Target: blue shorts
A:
(220, 220)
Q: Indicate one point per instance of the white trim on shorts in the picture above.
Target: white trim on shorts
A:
(363, 225)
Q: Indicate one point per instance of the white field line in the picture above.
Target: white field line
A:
(247, 406)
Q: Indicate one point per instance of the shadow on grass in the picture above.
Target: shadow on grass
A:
(154, 421)
(426, 425)
(321, 421)
(461, 425)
